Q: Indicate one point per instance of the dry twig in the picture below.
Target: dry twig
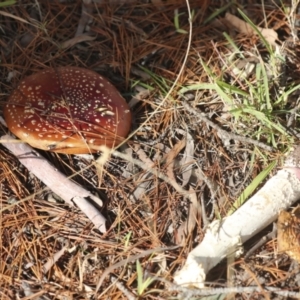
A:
(56, 181)
(223, 133)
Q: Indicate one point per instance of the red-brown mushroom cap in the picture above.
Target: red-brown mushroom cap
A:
(68, 110)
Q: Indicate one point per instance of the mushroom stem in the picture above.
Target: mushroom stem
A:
(68, 190)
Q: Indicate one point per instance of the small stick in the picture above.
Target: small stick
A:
(223, 133)
(57, 182)
(122, 288)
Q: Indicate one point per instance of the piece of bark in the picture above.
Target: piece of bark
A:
(224, 238)
(57, 182)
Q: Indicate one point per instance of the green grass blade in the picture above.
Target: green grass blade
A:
(254, 27)
(252, 186)
(218, 12)
(7, 3)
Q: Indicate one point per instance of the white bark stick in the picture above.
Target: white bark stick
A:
(222, 239)
(58, 183)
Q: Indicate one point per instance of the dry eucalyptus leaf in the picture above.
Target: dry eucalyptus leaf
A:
(187, 227)
(269, 34)
(188, 158)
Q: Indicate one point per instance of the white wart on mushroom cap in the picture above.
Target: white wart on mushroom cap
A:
(68, 110)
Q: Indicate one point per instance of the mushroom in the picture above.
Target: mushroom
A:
(68, 110)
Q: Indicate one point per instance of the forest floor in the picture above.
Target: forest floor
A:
(180, 65)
